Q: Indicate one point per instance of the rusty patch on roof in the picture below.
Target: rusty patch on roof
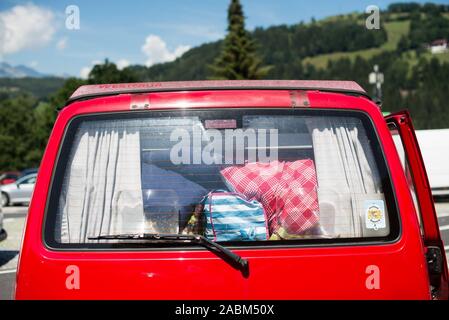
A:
(140, 102)
(299, 99)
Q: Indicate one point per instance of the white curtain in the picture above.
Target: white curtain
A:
(101, 192)
(347, 174)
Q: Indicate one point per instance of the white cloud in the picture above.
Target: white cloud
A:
(157, 52)
(25, 27)
(84, 72)
(122, 64)
(61, 44)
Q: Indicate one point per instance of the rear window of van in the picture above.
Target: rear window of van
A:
(236, 176)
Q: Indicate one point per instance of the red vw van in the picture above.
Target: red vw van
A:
(231, 190)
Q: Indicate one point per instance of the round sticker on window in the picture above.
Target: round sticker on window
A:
(375, 214)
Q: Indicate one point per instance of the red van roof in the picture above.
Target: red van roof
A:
(92, 91)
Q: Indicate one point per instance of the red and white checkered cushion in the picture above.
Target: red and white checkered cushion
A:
(287, 190)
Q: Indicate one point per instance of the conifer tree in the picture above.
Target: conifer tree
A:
(238, 59)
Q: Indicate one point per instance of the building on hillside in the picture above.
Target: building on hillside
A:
(438, 46)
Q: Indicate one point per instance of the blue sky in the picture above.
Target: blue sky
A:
(137, 31)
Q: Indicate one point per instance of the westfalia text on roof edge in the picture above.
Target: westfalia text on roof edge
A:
(92, 91)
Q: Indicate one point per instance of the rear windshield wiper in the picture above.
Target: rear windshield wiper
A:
(227, 254)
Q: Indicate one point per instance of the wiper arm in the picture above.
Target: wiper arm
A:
(235, 259)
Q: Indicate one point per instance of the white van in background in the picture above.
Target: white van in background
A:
(434, 145)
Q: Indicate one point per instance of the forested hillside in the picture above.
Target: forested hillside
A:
(39, 87)
(282, 47)
(341, 47)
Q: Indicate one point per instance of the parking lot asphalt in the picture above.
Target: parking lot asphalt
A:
(14, 220)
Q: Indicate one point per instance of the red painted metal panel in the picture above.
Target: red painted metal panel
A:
(275, 273)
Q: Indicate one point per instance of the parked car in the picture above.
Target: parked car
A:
(19, 191)
(231, 190)
(8, 177)
(26, 172)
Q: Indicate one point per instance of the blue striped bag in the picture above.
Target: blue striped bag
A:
(230, 217)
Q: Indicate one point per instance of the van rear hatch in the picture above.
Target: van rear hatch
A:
(301, 191)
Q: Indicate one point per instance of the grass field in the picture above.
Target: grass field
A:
(413, 59)
(394, 30)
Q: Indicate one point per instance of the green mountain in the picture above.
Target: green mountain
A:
(41, 88)
(291, 49)
(341, 47)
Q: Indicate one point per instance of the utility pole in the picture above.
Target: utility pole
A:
(376, 78)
